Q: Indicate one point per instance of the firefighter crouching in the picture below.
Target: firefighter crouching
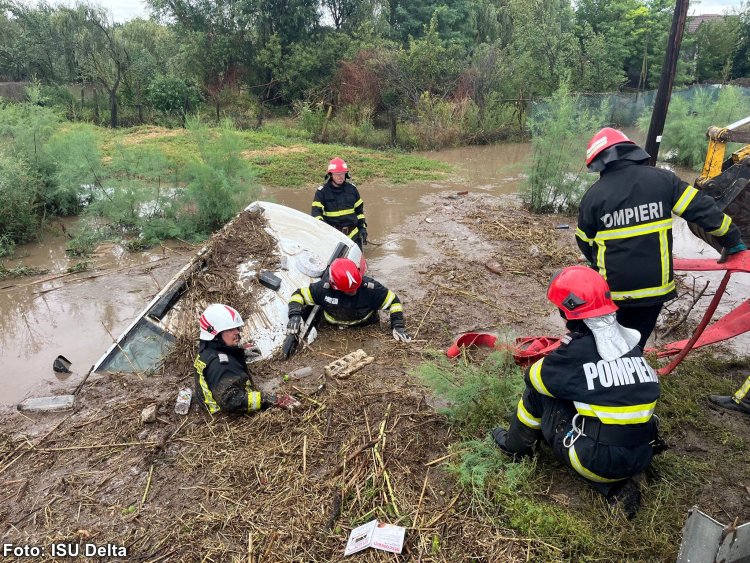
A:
(347, 299)
(337, 202)
(222, 380)
(625, 226)
(592, 400)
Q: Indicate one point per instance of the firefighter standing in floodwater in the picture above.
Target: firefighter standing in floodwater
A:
(593, 398)
(222, 381)
(337, 202)
(625, 226)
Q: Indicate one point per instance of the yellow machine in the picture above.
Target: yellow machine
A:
(727, 179)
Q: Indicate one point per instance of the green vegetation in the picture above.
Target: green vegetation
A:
(555, 182)
(147, 184)
(20, 271)
(684, 138)
(540, 500)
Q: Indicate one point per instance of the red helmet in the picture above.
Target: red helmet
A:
(603, 140)
(344, 275)
(338, 166)
(581, 293)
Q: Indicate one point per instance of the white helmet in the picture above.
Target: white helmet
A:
(217, 318)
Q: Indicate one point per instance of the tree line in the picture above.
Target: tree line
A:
(474, 63)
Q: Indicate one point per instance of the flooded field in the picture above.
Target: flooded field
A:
(77, 315)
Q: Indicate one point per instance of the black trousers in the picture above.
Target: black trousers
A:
(641, 318)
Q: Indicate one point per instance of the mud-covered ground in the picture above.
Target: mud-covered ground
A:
(289, 486)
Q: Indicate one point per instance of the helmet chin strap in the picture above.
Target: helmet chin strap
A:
(612, 339)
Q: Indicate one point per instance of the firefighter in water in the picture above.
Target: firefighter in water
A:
(222, 380)
(348, 299)
(739, 402)
(337, 202)
(592, 400)
(625, 226)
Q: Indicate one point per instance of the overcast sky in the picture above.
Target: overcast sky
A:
(123, 10)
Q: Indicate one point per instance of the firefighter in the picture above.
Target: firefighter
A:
(337, 202)
(348, 299)
(591, 400)
(222, 380)
(625, 226)
(739, 402)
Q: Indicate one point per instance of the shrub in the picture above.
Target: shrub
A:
(555, 183)
(684, 137)
(18, 215)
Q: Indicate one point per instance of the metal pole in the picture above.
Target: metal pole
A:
(661, 103)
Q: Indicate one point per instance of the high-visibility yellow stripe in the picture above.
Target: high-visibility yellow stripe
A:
(590, 475)
(535, 375)
(305, 291)
(253, 401)
(318, 204)
(721, 231)
(581, 235)
(685, 199)
(742, 391)
(319, 217)
(296, 298)
(361, 216)
(526, 417)
(208, 397)
(338, 213)
(396, 308)
(358, 202)
(600, 258)
(666, 262)
(353, 233)
(635, 231)
(332, 320)
(632, 414)
(389, 297)
(645, 292)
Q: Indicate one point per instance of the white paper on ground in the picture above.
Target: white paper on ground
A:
(378, 535)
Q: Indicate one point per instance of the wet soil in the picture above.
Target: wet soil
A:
(282, 486)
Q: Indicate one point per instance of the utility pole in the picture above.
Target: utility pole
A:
(661, 103)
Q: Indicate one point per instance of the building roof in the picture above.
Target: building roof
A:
(694, 22)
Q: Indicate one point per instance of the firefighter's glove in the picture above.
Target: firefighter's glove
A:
(363, 235)
(294, 325)
(252, 351)
(287, 402)
(400, 334)
(727, 252)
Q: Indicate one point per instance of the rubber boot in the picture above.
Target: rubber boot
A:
(626, 497)
(728, 403)
(518, 440)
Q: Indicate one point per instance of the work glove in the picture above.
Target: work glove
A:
(294, 325)
(727, 252)
(285, 401)
(252, 351)
(400, 334)
(363, 235)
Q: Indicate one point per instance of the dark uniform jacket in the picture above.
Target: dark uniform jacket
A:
(625, 229)
(340, 308)
(341, 207)
(615, 402)
(222, 381)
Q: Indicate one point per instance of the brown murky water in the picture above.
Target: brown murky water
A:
(44, 316)
(76, 315)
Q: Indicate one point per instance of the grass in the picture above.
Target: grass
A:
(281, 158)
(542, 501)
(20, 271)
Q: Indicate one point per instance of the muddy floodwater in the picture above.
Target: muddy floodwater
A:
(78, 315)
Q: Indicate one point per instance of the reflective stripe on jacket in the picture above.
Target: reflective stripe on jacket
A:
(222, 381)
(625, 228)
(341, 207)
